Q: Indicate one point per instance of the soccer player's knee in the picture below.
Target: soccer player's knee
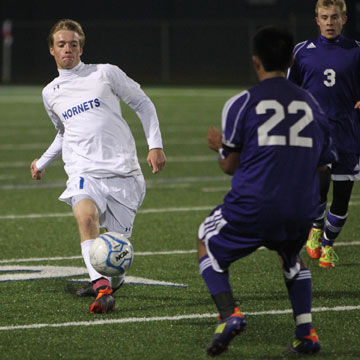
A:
(201, 248)
(87, 221)
(292, 273)
(302, 264)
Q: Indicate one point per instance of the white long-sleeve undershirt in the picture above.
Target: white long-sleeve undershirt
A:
(52, 153)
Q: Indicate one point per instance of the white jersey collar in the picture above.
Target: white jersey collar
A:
(69, 72)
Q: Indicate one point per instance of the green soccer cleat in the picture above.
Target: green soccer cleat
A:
(313, 244)
(328, 257)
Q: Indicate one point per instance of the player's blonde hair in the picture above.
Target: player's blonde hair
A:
(327, 3)
(67, 24)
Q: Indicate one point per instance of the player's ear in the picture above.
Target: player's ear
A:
(292, 61)
(344, 19)
(51, 50)
(256, 62)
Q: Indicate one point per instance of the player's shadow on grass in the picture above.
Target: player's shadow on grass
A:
(348, 265)
(247, 298)
(336, 295)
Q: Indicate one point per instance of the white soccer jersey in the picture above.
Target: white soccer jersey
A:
(93, 137)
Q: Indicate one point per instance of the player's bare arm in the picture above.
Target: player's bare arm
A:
(36, 174)
(156, 160)
(357, 105)
(322, 168)
(230, 162)
(214, 138)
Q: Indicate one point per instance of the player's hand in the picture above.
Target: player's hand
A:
(156, 160)
(36, 174)
(357, 105)
(214, 138)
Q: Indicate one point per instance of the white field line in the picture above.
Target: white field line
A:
(44, 146)
(166, 318)
(20, 99)
(165, 182)
(171, 159)
(59, 258)
(34, 216)
(215, 189)
(144, 211)
(55, 185)
(7, 177)
(175, 93)
(141, 211)
(140, 253)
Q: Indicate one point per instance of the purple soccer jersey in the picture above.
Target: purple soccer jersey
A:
(283, 137)
(330, 70)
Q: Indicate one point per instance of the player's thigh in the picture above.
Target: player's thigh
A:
(224, 242)
(84, 187)
(118, 218)
(347, 168)
(125, 196)
(289, 253)
(129, 191)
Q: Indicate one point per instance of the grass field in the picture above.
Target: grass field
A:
(164, 311)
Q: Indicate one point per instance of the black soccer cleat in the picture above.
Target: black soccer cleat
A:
(309, 344)
(88, 291)
(225, 331)
(104, 302)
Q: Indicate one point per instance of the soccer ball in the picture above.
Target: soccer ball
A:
(111, 254)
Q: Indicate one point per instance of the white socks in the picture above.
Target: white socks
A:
(85, 251)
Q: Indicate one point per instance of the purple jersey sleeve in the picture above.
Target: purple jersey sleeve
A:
(231, 115)
(294, 73)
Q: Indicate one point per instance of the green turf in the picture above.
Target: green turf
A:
(181, 195)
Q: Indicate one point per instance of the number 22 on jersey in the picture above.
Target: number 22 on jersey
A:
(292, 138)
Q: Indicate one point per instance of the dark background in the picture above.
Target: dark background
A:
(194, 42)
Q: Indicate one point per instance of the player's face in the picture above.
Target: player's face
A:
(66, 49)
(330, 21)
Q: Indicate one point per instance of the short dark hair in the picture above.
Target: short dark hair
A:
(274, 47)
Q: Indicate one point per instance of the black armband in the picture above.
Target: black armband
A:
(223, 153)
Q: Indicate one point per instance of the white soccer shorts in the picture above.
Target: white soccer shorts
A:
(117, 198)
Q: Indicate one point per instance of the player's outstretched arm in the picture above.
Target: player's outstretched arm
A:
(36, 174)
(156, 160)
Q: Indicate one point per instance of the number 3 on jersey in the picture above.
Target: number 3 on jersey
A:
(294, 139)
(330, 77)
